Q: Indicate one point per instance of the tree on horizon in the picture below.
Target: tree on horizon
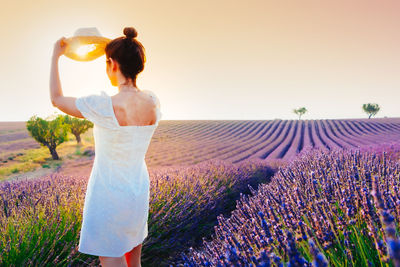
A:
(300, 111)
(371, 109)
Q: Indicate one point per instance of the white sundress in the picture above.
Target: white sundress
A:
(116, 206)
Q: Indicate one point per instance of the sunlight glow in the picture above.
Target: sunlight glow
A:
(85, 49)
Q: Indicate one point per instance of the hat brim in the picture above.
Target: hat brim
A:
(77, 41)
(88, 40)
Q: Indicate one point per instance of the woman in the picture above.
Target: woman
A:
(116, 203)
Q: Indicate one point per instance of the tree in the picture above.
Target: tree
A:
(300, 111)
(371, 109)
(49, 133)
(77, 126)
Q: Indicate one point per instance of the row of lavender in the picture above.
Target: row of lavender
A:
(234, 141)
(40, 219)
(340, 208)
(193, 141)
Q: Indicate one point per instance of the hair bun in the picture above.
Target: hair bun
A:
(130, 32)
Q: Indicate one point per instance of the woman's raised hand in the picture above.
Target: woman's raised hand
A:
(59, 47)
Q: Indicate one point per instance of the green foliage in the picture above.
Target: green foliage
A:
(300, 111)
(48, 132)
(371, 109)
(77, 126)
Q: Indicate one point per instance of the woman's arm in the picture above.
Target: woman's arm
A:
(64, 103)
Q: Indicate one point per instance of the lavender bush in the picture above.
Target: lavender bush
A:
(340, 207)
(40, 219)
(186, 201)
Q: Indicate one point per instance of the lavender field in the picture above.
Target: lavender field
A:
(41, 218)
(340, 208)
(234, 193)
(187, 142)
(193, 141)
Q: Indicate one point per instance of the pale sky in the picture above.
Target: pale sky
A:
(214, 59)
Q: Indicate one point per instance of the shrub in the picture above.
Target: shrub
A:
(77, 126)
(49, 133)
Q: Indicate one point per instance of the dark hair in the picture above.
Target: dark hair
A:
(128, 52)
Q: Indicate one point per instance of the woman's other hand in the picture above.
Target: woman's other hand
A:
(59, 47)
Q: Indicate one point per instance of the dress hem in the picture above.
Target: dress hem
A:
(108, 255)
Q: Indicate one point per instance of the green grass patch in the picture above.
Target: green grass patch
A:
(32, 159)
(20, 167)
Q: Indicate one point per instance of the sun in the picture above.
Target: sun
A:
(85, 49)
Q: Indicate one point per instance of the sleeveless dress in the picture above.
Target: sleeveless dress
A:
(116, 205)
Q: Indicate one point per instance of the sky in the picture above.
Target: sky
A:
(214, 60)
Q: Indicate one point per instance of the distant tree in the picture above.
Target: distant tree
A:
(371, 109)
(300, 111)
(77, 126)
(48, 132)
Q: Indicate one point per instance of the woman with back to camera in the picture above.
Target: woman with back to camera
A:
(116, 203)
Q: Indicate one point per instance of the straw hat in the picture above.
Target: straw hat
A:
(86, 44)
(91, 31)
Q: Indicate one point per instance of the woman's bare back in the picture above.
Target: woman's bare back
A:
(136, 108)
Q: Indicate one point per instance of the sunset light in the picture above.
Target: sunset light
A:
(200, 133)
(221, 59)
(85, 49)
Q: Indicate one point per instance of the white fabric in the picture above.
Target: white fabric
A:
(116, 203)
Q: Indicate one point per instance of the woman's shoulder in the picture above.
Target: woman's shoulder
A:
(153, 96)
(149, 92)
